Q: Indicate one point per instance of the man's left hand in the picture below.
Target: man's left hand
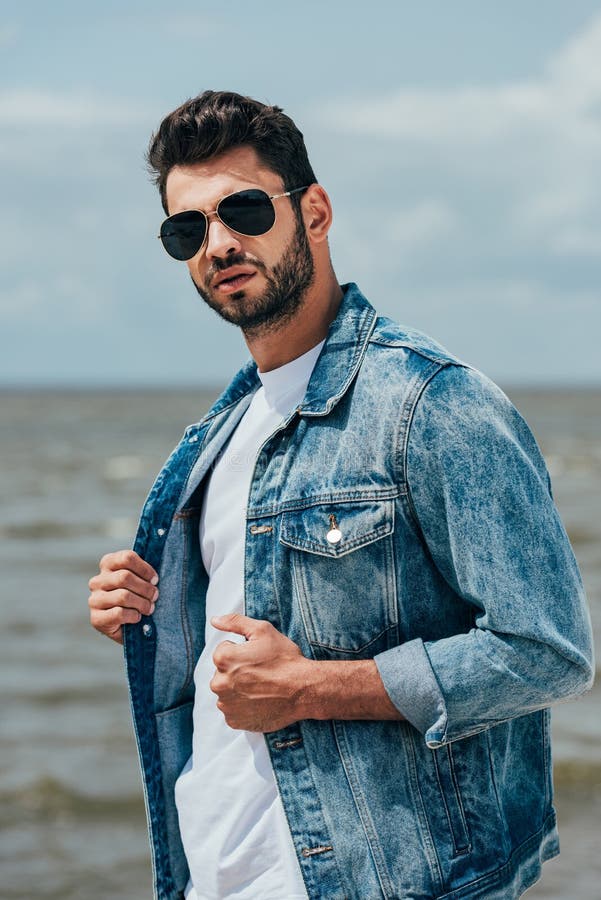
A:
(260, 682)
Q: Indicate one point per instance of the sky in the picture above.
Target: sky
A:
(460, 144)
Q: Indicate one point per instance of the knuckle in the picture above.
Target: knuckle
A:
(109, 559)
(128, 557)
(126, 579)
(217, 684)
(121, 597)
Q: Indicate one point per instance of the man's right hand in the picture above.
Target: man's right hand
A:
(122, 592)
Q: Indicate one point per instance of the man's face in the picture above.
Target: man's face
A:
(258, 282)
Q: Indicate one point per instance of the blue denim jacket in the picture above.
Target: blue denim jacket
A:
(453, 572)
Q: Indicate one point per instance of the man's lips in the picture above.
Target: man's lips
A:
(232, 279)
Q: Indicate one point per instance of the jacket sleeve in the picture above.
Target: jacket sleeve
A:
(481, 498)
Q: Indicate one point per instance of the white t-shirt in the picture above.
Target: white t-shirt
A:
(232, 822)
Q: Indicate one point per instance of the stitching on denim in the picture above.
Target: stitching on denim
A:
(366, 318)
(254, 384)
(361, 649)
(405, 432)
(302, 592)
(172, 709)
(493, 778)
(300, 503)
(468, 846)
(365, 540)
(392, 598)
(407, 740)
(456, 849)
(362, 808)
(421, 351)
(184, 619)
(546, 746)
(494, 878)
(317, 811)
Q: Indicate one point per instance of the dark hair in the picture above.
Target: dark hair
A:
(216, 121)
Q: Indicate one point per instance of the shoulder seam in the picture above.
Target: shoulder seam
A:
(406, 435)
(425, 353)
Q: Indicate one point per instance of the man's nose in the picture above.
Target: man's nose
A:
(221, 242)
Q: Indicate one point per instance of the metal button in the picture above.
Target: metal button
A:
(160, 532)
(147, 630)
(334, 534)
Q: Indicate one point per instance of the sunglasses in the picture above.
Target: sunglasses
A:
(249, 212)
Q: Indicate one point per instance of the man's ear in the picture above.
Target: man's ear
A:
(317, 213)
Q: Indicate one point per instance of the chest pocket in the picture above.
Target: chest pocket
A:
(342, 564)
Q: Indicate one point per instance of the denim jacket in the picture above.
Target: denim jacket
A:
(453, 572)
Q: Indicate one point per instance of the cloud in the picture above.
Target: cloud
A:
(35, 108)
(570, 89)
(533, 145)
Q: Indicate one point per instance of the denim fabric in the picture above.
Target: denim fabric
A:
(453, 572)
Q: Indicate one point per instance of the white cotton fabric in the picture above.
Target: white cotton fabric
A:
(232, 822)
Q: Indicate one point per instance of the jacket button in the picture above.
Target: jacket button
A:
(147, 630)
(160, 532)
(334, 535)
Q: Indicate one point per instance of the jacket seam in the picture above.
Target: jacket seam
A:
(216, 412)
(405, 447)
(495, 876)
(332, 497)
(398, 343)
(371, 834)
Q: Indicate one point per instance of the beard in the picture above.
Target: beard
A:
(287, 284)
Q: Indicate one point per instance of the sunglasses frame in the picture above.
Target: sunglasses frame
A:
(215, 212)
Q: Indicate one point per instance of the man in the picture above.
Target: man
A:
(367, 599)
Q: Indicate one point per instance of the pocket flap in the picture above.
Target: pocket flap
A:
(334, 529)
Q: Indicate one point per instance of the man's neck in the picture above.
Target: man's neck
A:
(307, 328)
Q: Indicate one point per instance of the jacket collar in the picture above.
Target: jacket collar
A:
(336, 366)
(342, 353)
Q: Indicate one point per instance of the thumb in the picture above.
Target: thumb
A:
(235, 623)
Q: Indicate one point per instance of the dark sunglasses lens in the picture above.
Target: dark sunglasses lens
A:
(247, 212)
(182, 234)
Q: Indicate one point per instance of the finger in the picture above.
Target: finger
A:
(217, 684)
(129, 559)
(238, 624)
(110, 621)
(100, 600)
(222, 655)
(109, 580)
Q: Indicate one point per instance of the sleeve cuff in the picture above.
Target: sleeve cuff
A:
(411, 684)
